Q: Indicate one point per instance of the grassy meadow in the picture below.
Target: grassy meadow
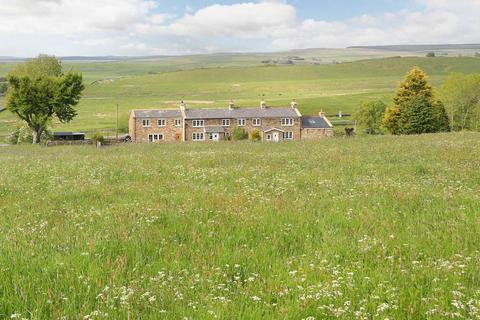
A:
(367, 228)
(203, 83)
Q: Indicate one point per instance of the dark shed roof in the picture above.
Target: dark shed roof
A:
(68, 134)
(315, 123)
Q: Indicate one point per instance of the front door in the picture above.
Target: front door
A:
(275, 136)
(215, 136)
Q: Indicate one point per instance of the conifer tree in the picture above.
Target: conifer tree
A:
(415, 105)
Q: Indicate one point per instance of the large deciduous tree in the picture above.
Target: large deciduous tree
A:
(371, 115)
(461, 94)
(415, 106)
(40, 91)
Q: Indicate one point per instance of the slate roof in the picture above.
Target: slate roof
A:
(315, 123)
(240, 113)
(214, 129)
(157, 113)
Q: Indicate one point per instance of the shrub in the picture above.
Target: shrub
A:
(239, 134)
(98, 137)
(3, 88)
(254, 135)
(431, 55)
(23, 134)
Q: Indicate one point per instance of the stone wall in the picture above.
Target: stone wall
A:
(266, 123)
(315, 134)
(171, 133)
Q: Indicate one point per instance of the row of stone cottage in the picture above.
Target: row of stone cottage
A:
(184, 124)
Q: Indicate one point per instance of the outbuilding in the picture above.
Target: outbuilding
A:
(68, 136)
(315, 127)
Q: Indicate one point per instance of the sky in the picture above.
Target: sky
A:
(177, 27)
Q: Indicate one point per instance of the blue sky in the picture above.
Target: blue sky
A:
(157, 27)
(318, 9)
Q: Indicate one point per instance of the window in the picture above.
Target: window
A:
(269, 137)
(241, 122)
(154, 137)
(162, 122)
(178, 122)
(198, 123)
(287, 122)
(288, 135)
(146, 123)
(197, 136)
(226, 122)
(256, 122)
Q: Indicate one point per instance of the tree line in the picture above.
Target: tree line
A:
(418, 109)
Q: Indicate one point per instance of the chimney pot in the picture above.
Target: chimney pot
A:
(294, 104)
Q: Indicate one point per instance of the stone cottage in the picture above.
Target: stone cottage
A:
(185, 124)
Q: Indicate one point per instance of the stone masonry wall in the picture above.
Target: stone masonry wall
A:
(266, 123)
(315, 134)
(171, 133)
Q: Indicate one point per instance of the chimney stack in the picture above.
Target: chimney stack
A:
(263, 105)
(182, 105)
(322, 114)
(231, 105)
(294, 104)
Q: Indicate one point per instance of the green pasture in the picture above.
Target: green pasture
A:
(363, 228)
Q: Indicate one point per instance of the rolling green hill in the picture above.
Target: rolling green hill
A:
(332, 87)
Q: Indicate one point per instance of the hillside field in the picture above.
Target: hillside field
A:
(157, 84)
(365, 228)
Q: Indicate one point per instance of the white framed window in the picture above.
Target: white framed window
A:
(161, 122)
(287, 122)
(198, 136)
(241, 122)
(146, 123)
(288, 135)
(198, 123)
(154, 137)
(268, 137)
(226, 122)
(256, 122)
(178, 122)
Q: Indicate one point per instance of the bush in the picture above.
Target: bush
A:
(23, 134)
(431, 55)
(98, 137)
(3, 88)
(239, 134)
(254, 135)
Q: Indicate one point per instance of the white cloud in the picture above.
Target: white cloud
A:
(139, 27)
